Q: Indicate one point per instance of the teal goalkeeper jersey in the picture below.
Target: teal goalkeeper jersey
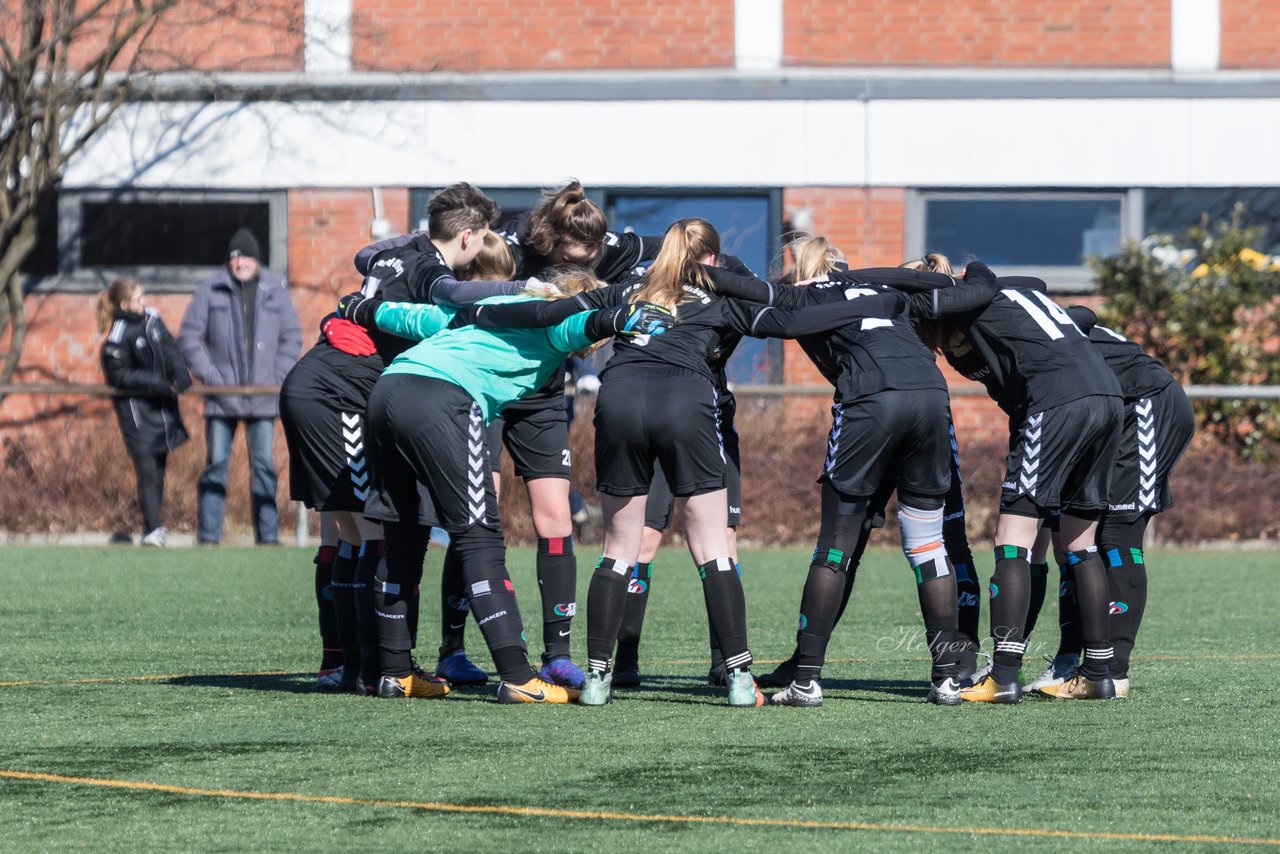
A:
(494, 366)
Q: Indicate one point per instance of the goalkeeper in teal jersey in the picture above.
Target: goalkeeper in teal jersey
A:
(428, 465)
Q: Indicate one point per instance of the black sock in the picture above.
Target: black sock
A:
(824, 590)
(852, 559)
(606, 603)
(493, 601)
(1127, 584)
(453, 604)
(1069, 641)
(968, 603)
(1094, 600)
(395, 584)
(726, 610)
(1010, 591)
(344, 606)
(938, 608)
(633, 615)
(558, 583)
(366, 567)
(1039, 585)
(330, 642)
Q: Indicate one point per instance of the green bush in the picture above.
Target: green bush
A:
(1211, 314)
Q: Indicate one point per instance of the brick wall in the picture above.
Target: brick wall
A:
(210, 35)
(1250, 34)
(983, 33)
(544, 35)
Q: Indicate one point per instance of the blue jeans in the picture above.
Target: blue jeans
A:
(212, 488)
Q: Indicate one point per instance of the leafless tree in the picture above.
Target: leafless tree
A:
(66, 67)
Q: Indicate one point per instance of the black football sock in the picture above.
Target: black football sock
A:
(726, 610)
(968, 603)
(330, 642)
(1039, 585)
(453, 604)
(1127, 584)
(371, 552)
(606, 603)
(558, 583)
(633, 616)
(344, 606)
(937, 596)
(1069, 640)
(1092, 595)
(1010, 591)
(493, 601)
(819, 605)
(395, 584)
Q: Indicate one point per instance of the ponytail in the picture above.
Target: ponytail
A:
(565, 215)
(112, 297)
(814, 256)
(934, 262)
(677, 264)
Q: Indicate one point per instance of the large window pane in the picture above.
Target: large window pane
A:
(1173, 211)
(1023, 232)
(743, 222)
(176, 234)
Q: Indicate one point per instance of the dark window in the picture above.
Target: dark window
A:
(43, 260)
(133, 234)
(1023, 231)
(748, 229)
(1173, 211)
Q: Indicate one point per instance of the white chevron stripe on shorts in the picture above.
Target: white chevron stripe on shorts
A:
(1029, 475)
(833, 440)
(353, 444)
(1148, 495)
(476, 465)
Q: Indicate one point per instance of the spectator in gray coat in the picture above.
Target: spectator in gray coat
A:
(240, 329)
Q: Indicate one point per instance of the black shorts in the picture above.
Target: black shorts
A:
(661, 503)
(894, 439)
(322, 405)
(537, 439)
(1157, 429)
(427, 456)
(952, 503)
(1063, 458)
(667, 416)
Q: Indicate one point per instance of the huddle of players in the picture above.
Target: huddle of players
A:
(1077, 437)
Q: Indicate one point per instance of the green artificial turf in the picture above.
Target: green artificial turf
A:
(231, 635)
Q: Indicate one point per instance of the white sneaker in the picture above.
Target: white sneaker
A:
(803, 694)
(945, 693)
(155, 538)
(1061, 668)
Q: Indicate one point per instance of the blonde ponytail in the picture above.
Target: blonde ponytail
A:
(814, 256)
(685, 243)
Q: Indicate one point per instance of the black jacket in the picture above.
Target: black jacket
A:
(141, 358)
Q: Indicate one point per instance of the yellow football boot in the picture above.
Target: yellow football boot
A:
(414, 685)
(535, 691)
(1080, 688)
(988, 690)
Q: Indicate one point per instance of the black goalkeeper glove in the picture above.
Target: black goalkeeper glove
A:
(630, 320)
(359, 309)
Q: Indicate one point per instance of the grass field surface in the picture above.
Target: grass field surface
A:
(163, 700)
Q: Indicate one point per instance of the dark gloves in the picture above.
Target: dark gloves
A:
(359, 309)
(630, 320)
